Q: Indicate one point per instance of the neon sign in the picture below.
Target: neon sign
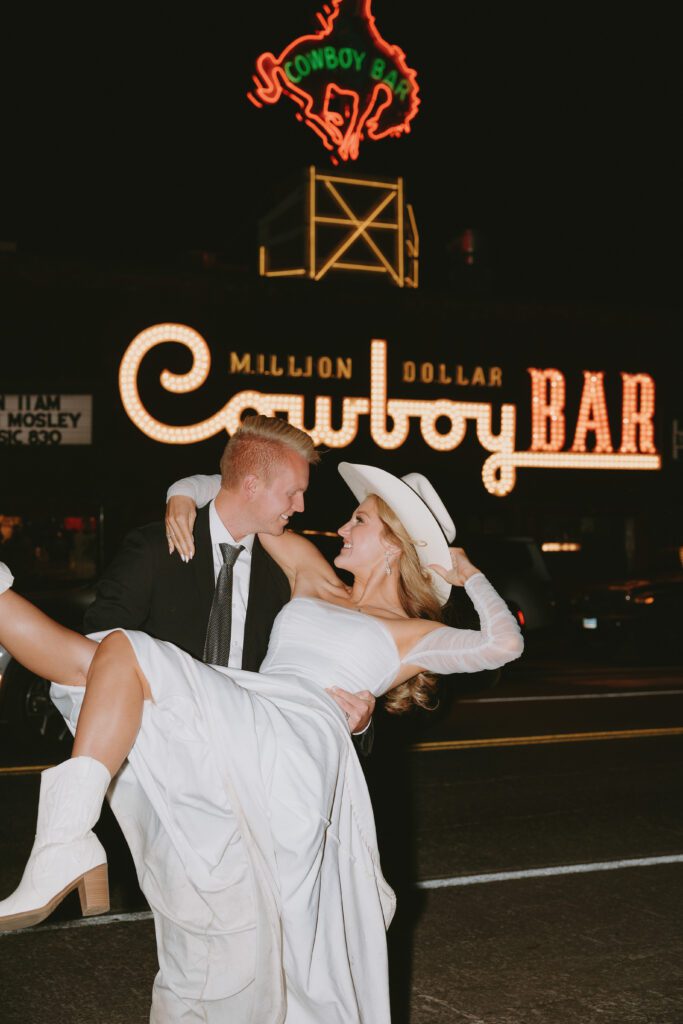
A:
(347, 81)
(499, 471)
(383, 238)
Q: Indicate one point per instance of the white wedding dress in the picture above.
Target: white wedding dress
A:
(249, 819)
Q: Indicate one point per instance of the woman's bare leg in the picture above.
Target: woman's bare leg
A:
(115, 686)
(115, 693)
(41, 644)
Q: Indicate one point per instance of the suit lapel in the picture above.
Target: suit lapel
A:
(268, 592)
(258, 597)
(203, 568)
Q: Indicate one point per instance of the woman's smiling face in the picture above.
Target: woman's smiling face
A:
(365, 541)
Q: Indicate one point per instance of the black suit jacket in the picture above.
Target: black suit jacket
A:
(146, 588)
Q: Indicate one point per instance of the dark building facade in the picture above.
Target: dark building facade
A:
(457, 388)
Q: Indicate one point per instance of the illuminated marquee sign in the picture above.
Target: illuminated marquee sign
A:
(499, 471)
(347, 81)
(45, 419)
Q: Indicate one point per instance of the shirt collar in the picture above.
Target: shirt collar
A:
(221, 534)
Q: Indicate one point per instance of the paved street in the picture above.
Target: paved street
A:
(526, 778)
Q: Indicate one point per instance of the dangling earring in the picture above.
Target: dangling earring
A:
(387, 567)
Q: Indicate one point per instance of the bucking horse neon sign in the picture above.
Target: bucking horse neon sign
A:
(347, 81)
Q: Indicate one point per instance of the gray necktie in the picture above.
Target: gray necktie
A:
(217, 643)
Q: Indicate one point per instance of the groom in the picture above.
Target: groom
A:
(221, 615)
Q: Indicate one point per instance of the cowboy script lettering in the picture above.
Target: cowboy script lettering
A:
(442, 422)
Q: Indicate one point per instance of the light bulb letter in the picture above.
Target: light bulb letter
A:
(547, 410)
(637, 412)
(388, 439)
(593, 415)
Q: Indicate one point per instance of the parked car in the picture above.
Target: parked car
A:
(55, 559)
(517, 569)
(636, 619)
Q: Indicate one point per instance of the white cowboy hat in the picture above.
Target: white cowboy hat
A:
(419, 508)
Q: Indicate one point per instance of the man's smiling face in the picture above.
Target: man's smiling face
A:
(273, 501)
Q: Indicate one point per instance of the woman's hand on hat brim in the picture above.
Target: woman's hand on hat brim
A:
(460, 571)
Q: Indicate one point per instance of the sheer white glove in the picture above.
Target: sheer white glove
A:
(499, 640)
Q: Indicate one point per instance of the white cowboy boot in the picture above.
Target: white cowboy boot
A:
(6, 578)
(66, 853)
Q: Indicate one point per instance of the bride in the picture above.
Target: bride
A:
(240, 793)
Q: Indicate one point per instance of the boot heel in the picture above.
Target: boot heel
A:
(93, 890)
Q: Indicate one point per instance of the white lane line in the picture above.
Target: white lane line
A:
(569, 696)
(560, 869)
(86, 922)
(433, 883)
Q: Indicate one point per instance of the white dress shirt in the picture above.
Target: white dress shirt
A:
(202, 489)
(241, 574)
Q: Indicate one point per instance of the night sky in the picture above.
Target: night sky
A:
(553, 135)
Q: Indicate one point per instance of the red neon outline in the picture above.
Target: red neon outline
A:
(271, 83)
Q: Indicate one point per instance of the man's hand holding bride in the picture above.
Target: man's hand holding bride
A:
(460, 571)
(358, 707)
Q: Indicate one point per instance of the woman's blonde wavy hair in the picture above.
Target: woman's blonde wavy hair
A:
(419, 601)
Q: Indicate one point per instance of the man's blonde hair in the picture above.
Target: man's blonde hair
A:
(258, 445)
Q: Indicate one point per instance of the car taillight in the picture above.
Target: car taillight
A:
(520, 616)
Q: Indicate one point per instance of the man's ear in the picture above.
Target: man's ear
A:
(250, 486)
